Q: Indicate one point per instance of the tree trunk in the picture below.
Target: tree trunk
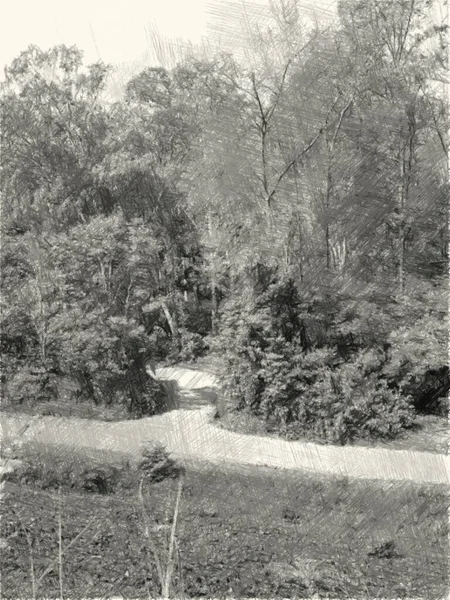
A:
(213, 302)
(401, 227)
(170, 320)
(212, 279)
(406, 165)
(327, 210)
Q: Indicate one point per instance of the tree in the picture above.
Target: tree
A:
(407, 49)
(109, 271)
(52, 127)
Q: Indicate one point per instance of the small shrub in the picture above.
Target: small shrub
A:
(42, 472)
(290, 514)
(99, 480)
(193, 346)
(49, 470)
(156, 464)
(387, 550)
(29, 385)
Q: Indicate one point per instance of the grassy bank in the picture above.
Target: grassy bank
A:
(246, 532)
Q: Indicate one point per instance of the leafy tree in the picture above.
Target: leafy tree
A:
(291, 211)
(52, 127)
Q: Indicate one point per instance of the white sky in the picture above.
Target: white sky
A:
(117, 31)
(114, 30)
(130, 34)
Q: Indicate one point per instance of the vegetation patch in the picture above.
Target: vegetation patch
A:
(314, 368)
(246, 532)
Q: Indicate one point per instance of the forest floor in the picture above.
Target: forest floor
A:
(242, 532)
(190, 433)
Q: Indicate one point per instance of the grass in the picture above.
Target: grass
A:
(61, 408)
(247, 532)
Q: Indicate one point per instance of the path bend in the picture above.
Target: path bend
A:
(189, 433)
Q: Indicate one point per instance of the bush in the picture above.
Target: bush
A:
(99, 480)
(193, 346)
(309, 395)
(48, 469)
(283, 368)
(352, 402)
(29, 385)
(44, 473)
(418, 362)
(157, 465)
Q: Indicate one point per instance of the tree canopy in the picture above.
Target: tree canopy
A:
(290, 213)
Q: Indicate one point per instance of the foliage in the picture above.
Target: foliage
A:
(50, 471)
(280, 367)
(294, 207)
(29, 384)
(156, 464)
(353, 402)
(418, 361)
(193, 347)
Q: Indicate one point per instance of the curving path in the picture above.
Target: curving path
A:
(189, 433)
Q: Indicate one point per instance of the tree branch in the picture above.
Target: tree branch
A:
(291, 164)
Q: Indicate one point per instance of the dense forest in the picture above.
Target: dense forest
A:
(288, 214)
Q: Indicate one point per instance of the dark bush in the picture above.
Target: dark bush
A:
(30, 385)
(418, 362)
(99, 480)
(193, 346)
(156, 464)
(352, 402)
(48, 469)
(313, 375)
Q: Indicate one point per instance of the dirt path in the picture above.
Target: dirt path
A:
(189, 433)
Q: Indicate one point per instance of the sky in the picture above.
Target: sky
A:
(116, 31)
(131, 34)
(113, 30)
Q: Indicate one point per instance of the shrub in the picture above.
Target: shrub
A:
(418, 361)
(49, 469)
(193, 346)
(99, 480)
(352, 402)
(310, 395)
(298, 390)
(29, 385)
(42, 472)
(157, 465)
(358, 367)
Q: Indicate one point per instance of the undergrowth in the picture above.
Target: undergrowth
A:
(246, 532)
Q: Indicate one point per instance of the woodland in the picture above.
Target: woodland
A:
(286, 214)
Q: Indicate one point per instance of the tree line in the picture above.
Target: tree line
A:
(289, 214)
